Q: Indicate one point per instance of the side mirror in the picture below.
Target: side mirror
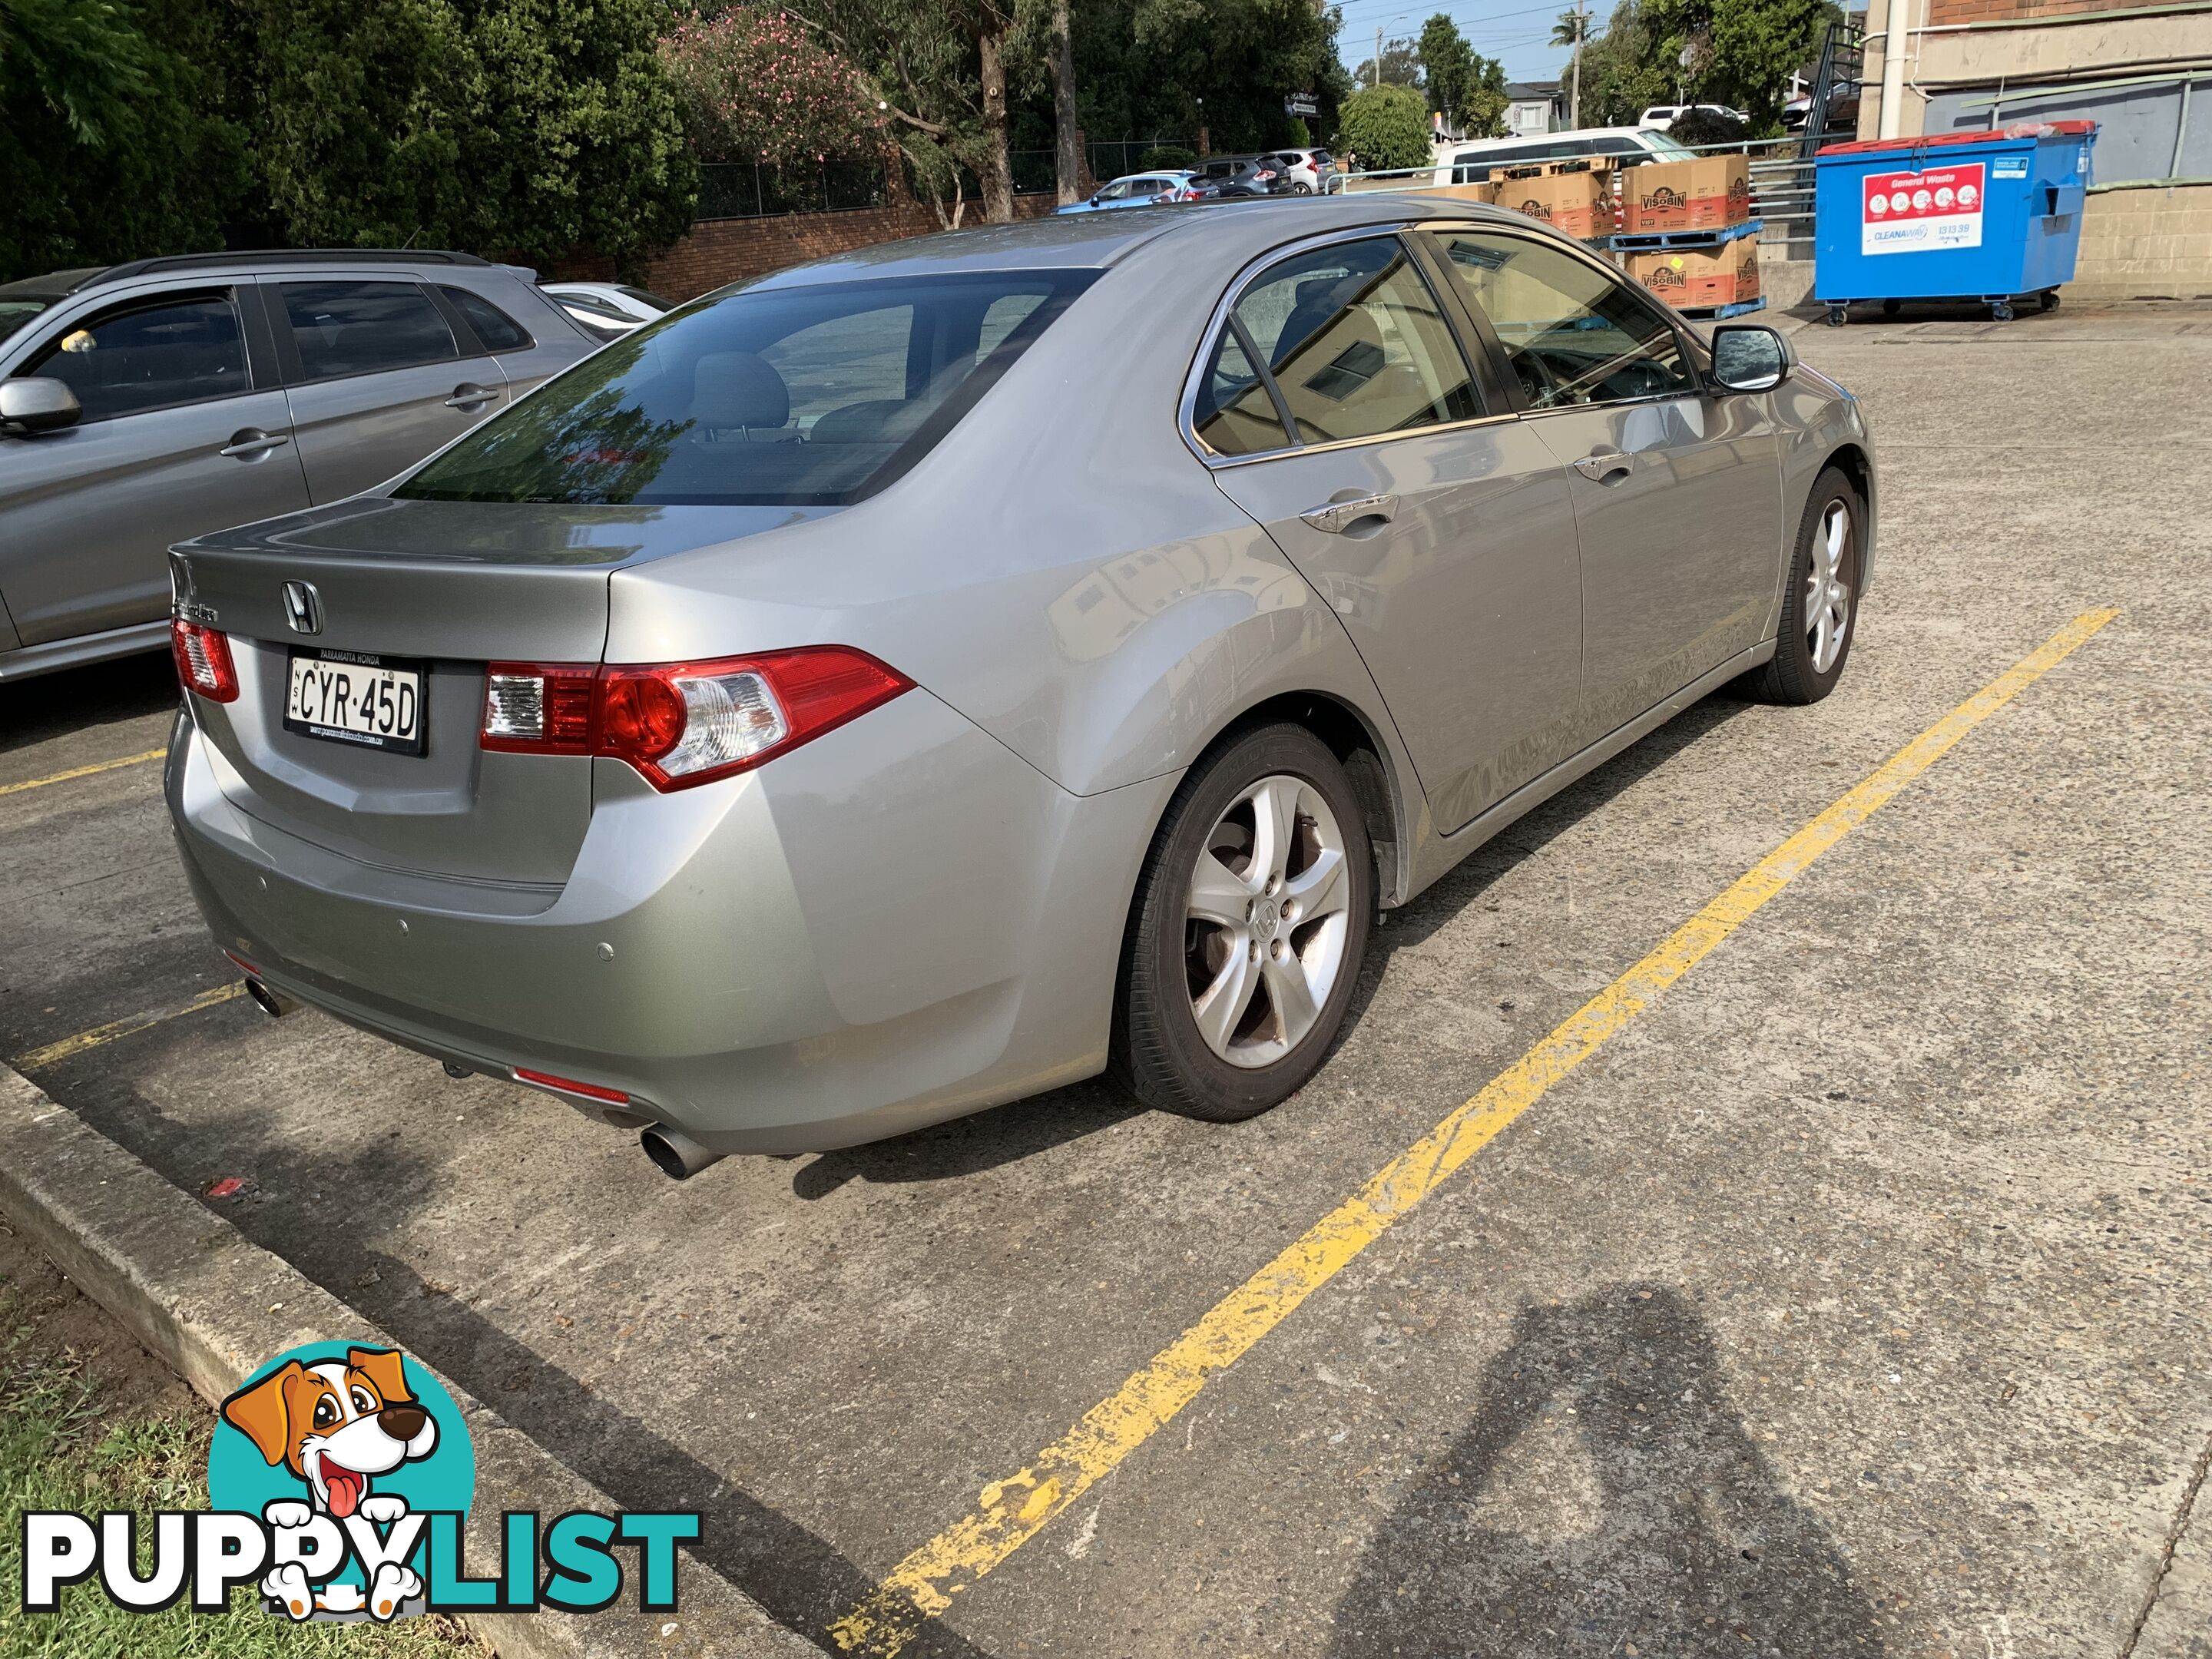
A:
(38, 404)
(1747, 357)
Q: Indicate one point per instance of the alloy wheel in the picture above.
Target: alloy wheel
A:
(1827, 588)
(1267, 918)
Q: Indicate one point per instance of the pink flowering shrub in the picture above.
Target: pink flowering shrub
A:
(755, 86)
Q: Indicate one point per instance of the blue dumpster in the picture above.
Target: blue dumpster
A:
(1991, 216)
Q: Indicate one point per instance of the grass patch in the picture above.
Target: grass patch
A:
(60, 1450)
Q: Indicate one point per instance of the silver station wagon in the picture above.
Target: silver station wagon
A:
(947, 671)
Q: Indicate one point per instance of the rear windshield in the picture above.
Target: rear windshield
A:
(810, 397)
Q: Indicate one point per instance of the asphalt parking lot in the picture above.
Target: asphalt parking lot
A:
(1851, 1299)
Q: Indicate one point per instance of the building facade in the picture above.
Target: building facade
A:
(2143, 73)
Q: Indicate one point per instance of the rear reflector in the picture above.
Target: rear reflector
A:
(204, 663)
(570, 1086)
(243, 965)
(681, 724)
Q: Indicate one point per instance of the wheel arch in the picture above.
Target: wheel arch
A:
(1378, 779)
(1853, 461)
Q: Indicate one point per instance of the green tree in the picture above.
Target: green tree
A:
(1447, 66)
(1483, 115)
(1402, 66)
(1158, 70)
(113, 133)
(1627, 69)
(532, 127)
(1386, 127)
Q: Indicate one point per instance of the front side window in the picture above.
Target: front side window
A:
(808, 396)
(364, 328)
(150, 355)
(1573, 334)
(1354, 343)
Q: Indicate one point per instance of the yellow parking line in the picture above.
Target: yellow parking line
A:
(1012, 1511)
(123, 1028)
(82, 772)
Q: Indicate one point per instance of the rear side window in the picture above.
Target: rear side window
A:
(364, 328)
(810, 396)
(155, 355)
(1355, 342)
(498, 331)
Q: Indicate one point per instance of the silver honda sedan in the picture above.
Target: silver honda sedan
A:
(951, 669)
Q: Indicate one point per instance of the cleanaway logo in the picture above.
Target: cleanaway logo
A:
(339, 1482)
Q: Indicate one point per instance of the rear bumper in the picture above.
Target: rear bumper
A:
(898, 923)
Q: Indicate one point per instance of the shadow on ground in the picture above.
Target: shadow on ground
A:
(1605, 1500)
(77, 699)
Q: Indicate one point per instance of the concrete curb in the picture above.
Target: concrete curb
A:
(212, 1306)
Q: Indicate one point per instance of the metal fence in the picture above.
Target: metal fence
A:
(741, 189)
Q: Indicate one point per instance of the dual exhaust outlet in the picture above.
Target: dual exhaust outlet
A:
(674, 1153)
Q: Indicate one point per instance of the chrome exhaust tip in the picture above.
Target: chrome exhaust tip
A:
(273, 1003)
(675, 1153)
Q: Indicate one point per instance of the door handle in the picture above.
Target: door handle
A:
(468, 395)
(247, 445)
(1335, 517)
(1604, 467)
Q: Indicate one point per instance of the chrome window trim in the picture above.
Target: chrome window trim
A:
(1194, 379)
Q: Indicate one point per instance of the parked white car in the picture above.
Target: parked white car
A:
(1663, 115)
(1471, 163)
(607, 309)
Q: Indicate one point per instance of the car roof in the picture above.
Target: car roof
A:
(74, 281)
(1098, 241)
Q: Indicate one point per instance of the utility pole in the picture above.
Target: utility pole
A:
(1581, 31)
(1377, 79)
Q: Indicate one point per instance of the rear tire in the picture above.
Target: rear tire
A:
(1251, 917)
(1819, 613)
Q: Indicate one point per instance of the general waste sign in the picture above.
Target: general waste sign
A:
(1916, 212)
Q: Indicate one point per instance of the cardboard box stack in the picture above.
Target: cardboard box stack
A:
(1578, 202)
(1692, 278)
(1710, 193)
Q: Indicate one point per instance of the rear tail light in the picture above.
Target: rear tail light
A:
(686, 723)
(204, 663)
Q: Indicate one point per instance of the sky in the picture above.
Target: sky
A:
(1514, 32)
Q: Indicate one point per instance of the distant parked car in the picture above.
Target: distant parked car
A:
(1663, 115)
(1136, 190)
(1471, 164)
(608, 310)
(1843, 109)
(1305, 171)
(143, 402)
(1227, 177)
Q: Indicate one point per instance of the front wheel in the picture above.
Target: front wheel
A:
(1821, 603)
(1250, 918)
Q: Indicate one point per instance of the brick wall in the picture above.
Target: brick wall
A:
(2146, 244)
(719, 251)
(1941, 12)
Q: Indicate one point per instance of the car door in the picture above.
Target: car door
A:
(1339, 409)
(185, 431)
(377, 378)
(1677, 489)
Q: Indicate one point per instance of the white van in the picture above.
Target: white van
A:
(1471, 163)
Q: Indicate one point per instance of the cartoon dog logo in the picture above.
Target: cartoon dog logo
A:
(337, 1427)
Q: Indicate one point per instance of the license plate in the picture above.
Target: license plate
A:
(348, 697)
